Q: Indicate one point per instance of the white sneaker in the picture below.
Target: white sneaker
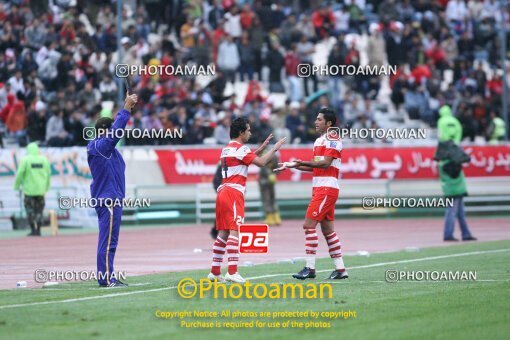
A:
(234, 278)
(213, 277)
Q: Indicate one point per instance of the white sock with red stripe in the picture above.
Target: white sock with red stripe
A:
(311, 243)
(218, 252)
(335, 251)
(233, 254)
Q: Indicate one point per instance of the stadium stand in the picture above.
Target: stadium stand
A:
(57, 62)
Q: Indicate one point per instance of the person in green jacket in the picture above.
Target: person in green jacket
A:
(34, 175)
(497, 129)
(449, 128)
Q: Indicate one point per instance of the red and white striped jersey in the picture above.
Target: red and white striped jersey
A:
(329, 176)
(235, 159)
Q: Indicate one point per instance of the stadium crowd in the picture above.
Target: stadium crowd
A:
(58, 57)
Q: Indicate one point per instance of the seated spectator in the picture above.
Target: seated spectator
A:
(17, 119)
(56, 135)
(262, 129)
(108, 88)
(323, 21)
(16, 82)
(89, 96)
(75, 127)
(196, 132)
(468, 122)
(152, 122)
(6, 109)
(416, 102)
(278, 120)
(295, 125)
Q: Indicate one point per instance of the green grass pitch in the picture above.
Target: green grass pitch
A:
(404, 310)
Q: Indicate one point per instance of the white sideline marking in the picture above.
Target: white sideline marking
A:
(67, 289)
(381, 264)
(397, 262)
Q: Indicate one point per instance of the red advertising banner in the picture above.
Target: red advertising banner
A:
(199, 165)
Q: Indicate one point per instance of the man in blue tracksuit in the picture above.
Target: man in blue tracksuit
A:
(108, 182)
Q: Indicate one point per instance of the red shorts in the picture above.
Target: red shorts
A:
(229, 209)
(322, 204)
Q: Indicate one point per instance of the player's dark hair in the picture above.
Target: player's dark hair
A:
(103, 123)
(329, 115)
(238, 126)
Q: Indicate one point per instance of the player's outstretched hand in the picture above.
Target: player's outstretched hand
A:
(286, 165)
(266, 142)
(279, 144)
(130, 101)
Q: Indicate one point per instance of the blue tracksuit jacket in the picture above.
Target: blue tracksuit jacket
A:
(107, 168)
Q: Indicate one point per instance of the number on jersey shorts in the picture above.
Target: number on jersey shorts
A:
(229, 209)
(253, 238)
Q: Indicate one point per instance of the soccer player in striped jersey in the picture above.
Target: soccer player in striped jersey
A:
(327, 152)
(235, 159)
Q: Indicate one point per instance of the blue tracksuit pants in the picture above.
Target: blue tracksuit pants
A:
(109, 227)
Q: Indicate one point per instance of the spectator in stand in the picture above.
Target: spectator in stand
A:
(228, 58)
(247, 56)
(275, 62)
(496, 131)
(10, 99)
(262, 128)
(278, 120)
(295, 124)
(395, 49)
(305, 50)
(16, 82)
(196, 132)
(17, 119)
(341, 19)
(215, 15)
(258, 36)
(187, 35)
(108, 88)
(56, 134)
(233, 23)
(37, 123)
(323, 21)
(35, 34)
(306, 28)
(75, 127)
(222, 130)
(291, 70)
(467, 122)
(152, 122)
(65, 53)
(357, 19)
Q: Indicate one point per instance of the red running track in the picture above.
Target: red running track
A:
(156, 250)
